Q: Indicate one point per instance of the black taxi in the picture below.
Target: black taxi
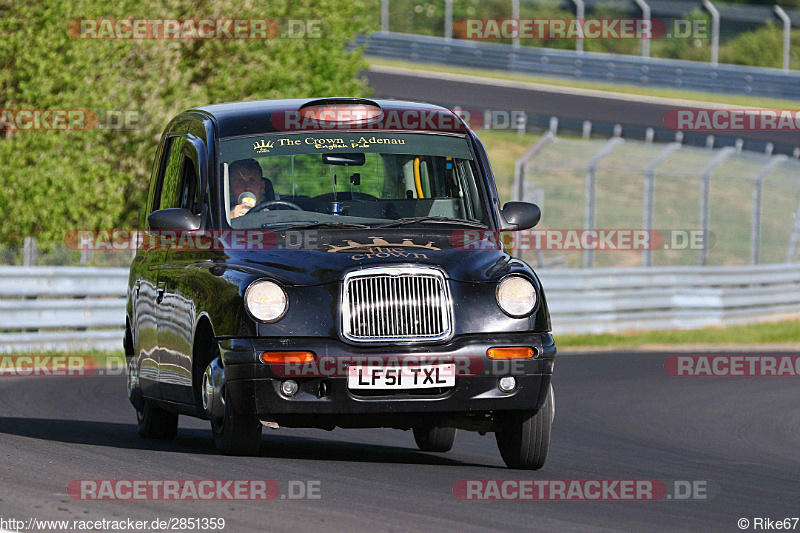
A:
(335, 262)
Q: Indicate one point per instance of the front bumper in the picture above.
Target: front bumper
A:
(254, 387)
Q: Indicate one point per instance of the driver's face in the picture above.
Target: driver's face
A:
(246, 180)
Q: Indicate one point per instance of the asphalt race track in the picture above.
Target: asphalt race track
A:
(618, 416)
(560, 102)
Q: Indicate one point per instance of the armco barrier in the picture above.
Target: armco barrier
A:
(74, 308)
(62, 308)
(656, 72)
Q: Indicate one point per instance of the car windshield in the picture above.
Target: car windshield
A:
(350, 179)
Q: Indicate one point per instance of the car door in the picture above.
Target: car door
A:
(146, 263)
(176, 276)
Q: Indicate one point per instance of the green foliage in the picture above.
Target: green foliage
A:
(56, 181)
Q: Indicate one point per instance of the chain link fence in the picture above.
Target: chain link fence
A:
(709, 206)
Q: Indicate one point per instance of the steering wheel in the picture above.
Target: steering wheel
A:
(268, 203)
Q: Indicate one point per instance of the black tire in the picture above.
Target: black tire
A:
(156, 423)
(236, 434)
(435, 439)
(525, 438)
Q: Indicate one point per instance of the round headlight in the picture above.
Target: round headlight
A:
(266, 301)
(516, 296)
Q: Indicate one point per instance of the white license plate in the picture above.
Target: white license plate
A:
(402, 377)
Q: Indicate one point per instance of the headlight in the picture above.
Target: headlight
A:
(516, 296)
(266, 301)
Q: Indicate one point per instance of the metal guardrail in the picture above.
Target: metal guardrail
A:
(72, 308)
(61, 308)
(657, 72)
(618, 300)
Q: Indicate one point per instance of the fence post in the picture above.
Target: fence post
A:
(714, 31)
(29, 251)
(580, 9)
(705, 201)
(755, 234)
(385, 15)
(515, 16)
(591, 179)
(649, 194)
(519, 166)
(790, 252)
(645, 15)
(448, 19)
(519, 176)
(787, 35)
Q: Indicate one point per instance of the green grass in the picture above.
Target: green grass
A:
(661, 92)
(767, 333)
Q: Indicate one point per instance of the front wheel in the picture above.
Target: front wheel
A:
(524, 438)
(236, 434)
(434, 439)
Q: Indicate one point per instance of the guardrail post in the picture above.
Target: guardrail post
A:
(580, 10)
(755, 234)
(385, 15)
(714, 31)
(649, 194)
(515, 16)
(591, 179)
(448, 19)
(29, 251)
(645, 15)
(705, 201)
(787, 35)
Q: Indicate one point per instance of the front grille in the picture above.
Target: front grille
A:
(396, 304)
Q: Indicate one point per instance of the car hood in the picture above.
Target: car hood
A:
(325, 256)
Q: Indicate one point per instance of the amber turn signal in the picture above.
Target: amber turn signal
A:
(287, 358)
(511, 352)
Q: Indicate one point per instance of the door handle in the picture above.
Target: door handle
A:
(160, 287)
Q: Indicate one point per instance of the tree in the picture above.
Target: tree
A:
(54, 181)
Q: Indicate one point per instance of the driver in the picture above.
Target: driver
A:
(246, 176)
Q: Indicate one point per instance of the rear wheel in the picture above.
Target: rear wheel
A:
(524, 438)
(156, 423)
(236, 434)
(434, 439)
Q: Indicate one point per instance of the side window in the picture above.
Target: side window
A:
(189, 196)
(158, 176)
(172, 176)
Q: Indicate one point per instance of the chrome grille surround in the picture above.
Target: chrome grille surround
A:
(396, 304)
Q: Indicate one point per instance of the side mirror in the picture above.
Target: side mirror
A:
(175, 218)
(521, 215)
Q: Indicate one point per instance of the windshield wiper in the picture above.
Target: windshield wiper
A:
(313, 225)
(435, 219)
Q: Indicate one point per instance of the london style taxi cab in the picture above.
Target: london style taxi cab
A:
(342, 270)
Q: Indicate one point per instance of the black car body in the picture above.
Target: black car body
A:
(368, 281)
